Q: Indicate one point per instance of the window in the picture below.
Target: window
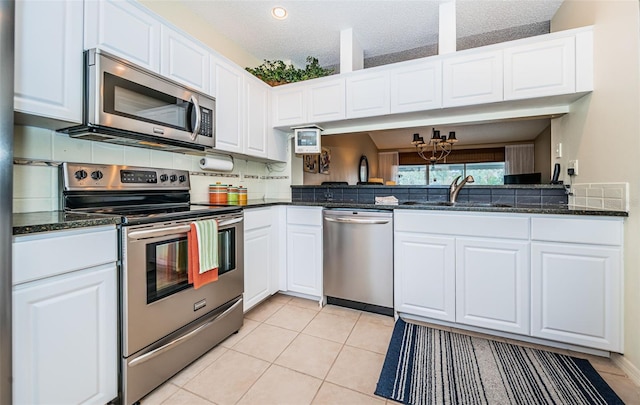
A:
(412, 175)
(443, 174)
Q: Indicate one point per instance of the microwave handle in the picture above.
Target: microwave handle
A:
(196, 127)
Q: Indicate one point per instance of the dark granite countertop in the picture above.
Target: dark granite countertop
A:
(555, 209)
(45, 221)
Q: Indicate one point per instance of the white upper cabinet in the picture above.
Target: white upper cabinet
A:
(124, 29)
(540, 69)
(257, 118)
(309, 102)
(367, 94)
(326, 100)
(416, 87)
(289, 107)
(184, 60)
(228, 85)
(472, 78)
(48, 59)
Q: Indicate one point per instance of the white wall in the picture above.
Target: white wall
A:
(603, 130)
(36, 185)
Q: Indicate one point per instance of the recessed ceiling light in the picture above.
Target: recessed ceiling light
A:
(279, 13)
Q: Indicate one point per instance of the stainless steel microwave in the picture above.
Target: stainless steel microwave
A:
(127, 104)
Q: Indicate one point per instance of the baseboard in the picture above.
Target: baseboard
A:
(629, 368)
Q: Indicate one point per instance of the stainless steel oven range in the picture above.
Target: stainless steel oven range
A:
(165, 323)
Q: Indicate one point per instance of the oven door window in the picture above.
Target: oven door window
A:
(226, 250)
(167, 263)
(132, 100)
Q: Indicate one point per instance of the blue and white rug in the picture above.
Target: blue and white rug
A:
(430, 366)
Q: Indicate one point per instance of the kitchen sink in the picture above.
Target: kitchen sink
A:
(457, 204)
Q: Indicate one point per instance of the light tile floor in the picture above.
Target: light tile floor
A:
(289, 351)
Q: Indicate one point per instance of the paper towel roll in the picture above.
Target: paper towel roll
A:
(218, 163)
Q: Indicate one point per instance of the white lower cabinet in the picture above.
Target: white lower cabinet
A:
(555, 277)
(577, 294)
(424, 271)
(261, 258)
(65, 323)
(304, 250)
(492, 284)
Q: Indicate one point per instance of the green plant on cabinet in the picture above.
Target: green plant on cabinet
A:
(277, 72)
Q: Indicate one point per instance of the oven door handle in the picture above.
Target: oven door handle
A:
(164, 348)
(229, 222)
(154, 233)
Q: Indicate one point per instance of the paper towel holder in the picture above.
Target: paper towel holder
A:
(217, 162)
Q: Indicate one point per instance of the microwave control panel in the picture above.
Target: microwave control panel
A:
(206, 122)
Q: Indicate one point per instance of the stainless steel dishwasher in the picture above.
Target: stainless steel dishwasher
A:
(358, 259)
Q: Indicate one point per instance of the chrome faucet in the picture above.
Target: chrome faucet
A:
(455, 188)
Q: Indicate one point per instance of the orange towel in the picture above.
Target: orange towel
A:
(195, 278)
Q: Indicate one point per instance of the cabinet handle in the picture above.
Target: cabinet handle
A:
(346, 220)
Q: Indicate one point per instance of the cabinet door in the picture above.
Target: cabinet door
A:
(416, 87)
(184, 60)
(258, 250)
(492, 284)
(229, 106)
(424, 275)
(257, 119)
(577, 294)
(326, 101)
(304, 259)
(472, 79)
(124, 29)
(367, 94)
(278, 145)
(48, 59)
(289, 106)
(542, 69)
(65, 339)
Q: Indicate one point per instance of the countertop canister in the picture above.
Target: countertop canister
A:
(242, 195)
(232, 194)
(217, 193)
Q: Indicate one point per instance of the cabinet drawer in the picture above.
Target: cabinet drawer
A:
(466, 224)
(304, 216)
(45, 255)
(257, 218)
(601, 231)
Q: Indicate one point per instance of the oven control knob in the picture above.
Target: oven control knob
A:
(80, 174)
(182, 178)
(164, 177)
(97, 175)
(173, 178)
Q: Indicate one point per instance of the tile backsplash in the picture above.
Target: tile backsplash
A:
(614, 196)
(37, 152)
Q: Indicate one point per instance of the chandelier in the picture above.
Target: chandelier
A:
(439, 146)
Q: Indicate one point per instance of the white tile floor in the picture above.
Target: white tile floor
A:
(289, 351)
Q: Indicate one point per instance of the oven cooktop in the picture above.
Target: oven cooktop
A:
(136, 194)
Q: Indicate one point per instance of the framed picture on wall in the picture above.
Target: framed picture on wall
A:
(324, 161)
(310, 163)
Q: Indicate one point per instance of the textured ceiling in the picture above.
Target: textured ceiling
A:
(381, 27)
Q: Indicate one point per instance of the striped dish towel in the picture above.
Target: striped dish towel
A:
(203, 252)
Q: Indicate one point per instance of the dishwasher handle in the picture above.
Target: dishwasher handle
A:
(349, 220)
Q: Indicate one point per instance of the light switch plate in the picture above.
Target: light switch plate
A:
(558, 150)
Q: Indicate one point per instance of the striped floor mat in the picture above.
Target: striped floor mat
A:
(429, 366)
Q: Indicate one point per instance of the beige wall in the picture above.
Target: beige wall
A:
(611, 111)
(542, 158)
(178, 15)
(345, 156)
